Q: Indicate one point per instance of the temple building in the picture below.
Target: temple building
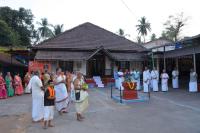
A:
(92, 50)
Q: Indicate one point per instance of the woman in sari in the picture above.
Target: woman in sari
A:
(62, 99)
(19, 90)
(81, 97)
(3, 92)
(9, 85)
(27, 78)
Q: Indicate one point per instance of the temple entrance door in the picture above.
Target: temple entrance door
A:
(96, 66)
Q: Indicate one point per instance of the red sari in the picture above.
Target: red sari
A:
(19, 90)
(3, 91)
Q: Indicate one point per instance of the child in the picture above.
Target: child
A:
(49, 102)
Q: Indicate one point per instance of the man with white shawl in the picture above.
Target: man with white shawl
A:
(36, 86)
(164, 81)
(120, 79)
(62, 98)
(81, 97)
(175, 75)
(146, 80)
(136, 77)
(193, 81)
(155, 79)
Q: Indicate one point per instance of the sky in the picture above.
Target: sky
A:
(113, 14)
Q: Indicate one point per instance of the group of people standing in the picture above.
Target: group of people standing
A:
(151, 79)
(10, 86)
(59, 89)
(120, 76)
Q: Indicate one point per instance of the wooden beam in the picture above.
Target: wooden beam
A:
(164, 59)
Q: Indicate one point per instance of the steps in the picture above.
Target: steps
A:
(98, 81)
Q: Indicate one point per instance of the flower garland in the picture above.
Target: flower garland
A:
(131, 85)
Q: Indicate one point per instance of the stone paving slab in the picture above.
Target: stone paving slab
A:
(177, 111)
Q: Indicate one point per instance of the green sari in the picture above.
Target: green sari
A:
(9, 86)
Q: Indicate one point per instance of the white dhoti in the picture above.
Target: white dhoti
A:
(193, 86)
(175, 83)
(120, 80)
(117, 84)
(27, 90)
(35, 85)
(82, 104)
(146, 80)
(138, 84)
(62, 99)
(38, 107)
(155, 84)
(145, 87)
(48, 113)
(164, 86)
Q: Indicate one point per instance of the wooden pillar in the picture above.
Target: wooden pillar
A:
(158, 64)
(152, 56)
(164, 59)
(194, 59)
(177, 63)
(57, 63)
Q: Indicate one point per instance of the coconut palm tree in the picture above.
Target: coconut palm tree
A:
(143, 27)
(44, 30)
(57, 29)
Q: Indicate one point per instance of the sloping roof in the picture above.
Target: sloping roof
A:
(74, 55)
(89, 36)
(5, 59)
(157, 43)
(62, 55)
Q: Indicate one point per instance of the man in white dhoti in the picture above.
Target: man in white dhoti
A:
(81, 96)
(193, 81)
(155, 79)
(62, 98)
(116, 77)
(146, 79)
(164, 81)
(175, 75)
(36, 86)
(136, 77)
(120, 79)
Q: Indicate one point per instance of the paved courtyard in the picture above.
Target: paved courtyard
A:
(176, 111)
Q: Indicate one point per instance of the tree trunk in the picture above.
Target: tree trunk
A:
(144, 38)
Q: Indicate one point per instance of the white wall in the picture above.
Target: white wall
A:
(53, 66)
(80, 66)
(107, 63)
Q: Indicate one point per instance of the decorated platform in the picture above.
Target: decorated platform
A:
(129, 94)
(141, 98)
